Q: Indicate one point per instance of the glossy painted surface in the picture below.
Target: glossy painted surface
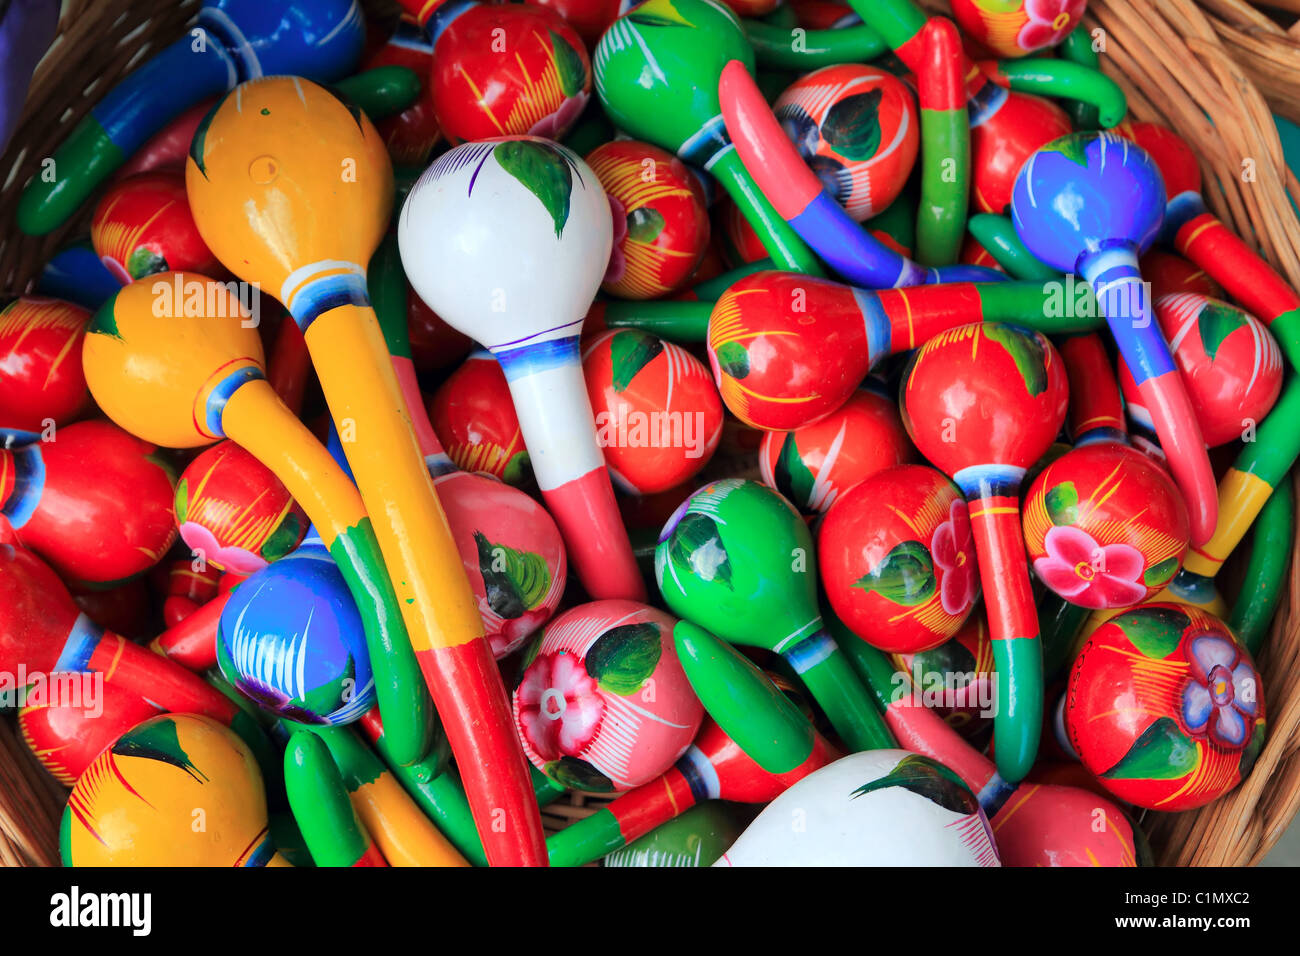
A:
(1104, 526)
(589, 17)
(814, 465)
(321, 807)
(412, 134)
(696, 838)
(40, 359)
(945, 153)
(897, 559)
(136, 805)
(66, 735)
(967, 659)
(1002, 143)
(1165, 707)
(602, 703)
(95, 502)
(878, 808)
(142, 226)
(1012, 28)
(474, 416)
(658, 413)
(661, 220)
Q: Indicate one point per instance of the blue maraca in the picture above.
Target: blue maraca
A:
(291, 639)
(235, 40)
(1091, 203)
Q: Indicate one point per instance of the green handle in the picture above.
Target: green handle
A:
(897, 21)
(673, 320)
(382, 92)
(997, 234)
(1069, 81)
(320, 803)
(780, 240)
(1270, 557)
(840, 694)
(586, 840)
(792, 48)
(1060, 623)
(1077, 48)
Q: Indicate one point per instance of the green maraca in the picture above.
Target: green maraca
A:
(657, 70)
(739, 561)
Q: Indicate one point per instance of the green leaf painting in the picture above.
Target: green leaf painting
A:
(283, 538)
(1155, 631)
(1215, 323)
(182, 501)
(696, 548)
(793, 478)
(1073, 147)
(1160, 573)
(733, 359)
(926, 778)
(145, 262)
(578, 775)
(569, 66)
(1062, 503)
(1163, 752)
(157, 740)
(544, 172)
(905, 576)
(644, 225)
(852, 126)
(624, 657)
(104, 321)
(630, 351)
(515, 581)
(1026, 351)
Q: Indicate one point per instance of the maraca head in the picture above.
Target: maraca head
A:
(661, 221)
(235, 512)
(1086, 191)
(1229, 362)
(657, 72)
(1165, 707)
(738, 560)
(321, 40)
(40, 358)
(1104, 526)
(787, 349)
(507, 240)
(1002, 138)
(856, 126)
(293, 187)
(474, 416)
(812, 466)
(657, 413)
(589, 17)
(143, 225)
(602, 702)
(898, 560)
(135, 804)
(1066, 826)
(956, 679)
(291, 639)
(162, 357)
(984, 395)
(1015, 28)
(1170, 274)
(66, 735)
(36, 612)
(1175, 159)
(539, 87)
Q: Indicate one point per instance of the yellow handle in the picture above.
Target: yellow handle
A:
(402, 832)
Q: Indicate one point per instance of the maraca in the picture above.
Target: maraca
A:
(787, 350)
(814, 465)
(299, 139)
(537, 199)
(95, 502)
(40, 358)
(1115, 199)
(984, 416)
(240, 39)
(739, 561)
(1018, 27)
(234, 513)
(661, 223)
(412, 134)
(66, 734)
(588, 17)
(136, 804)
(897, 559)
(184, 589)
(76, 274)
(857, 128)
(602, 703)
(142, 225)
(658, 414)
(656, 74)
(1165, 708)
(473, 412)
(320, 803)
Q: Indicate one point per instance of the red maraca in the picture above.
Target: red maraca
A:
(95, 502)
(898, 561)
(984, 402)
(589, 17)
(143, 225)
(184, 589)
(412, 134)
(1015, 28)
(66, 735)
(658, 414)
(472, 412)
(661, 220)
(40, 364)
(815, 464)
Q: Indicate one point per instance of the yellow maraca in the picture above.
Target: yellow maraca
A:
(175, 790)
(292, 189)
(176, 361)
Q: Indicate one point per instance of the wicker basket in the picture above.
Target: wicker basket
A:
(1216, 69)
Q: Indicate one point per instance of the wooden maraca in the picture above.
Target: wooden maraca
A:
(473, 412)
(238, 39)
(40, 358)
(658, 414)
(284, 147)
(738, 560)
(656, 74)
(1015, 28)
(1115, 209)
(661, 221)
(983, 403)
(814, 465)
(95, 502)
(787, 350)
(65, 735)
(526, 305)
(602, 703)
(136, 803)
(133, 362)
(142, 225)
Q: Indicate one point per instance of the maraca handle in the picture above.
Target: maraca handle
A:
(550, 397)
(618, 823)
(672, 320)
(1096, 410)
(1123, 299)
(830, 679)
(192, 643)
(1270, 556)
(783, 244)
(945, 146)
(140, 105)
(321, 806)
(1065, 80)
(1013, 624)
(997, 234)
(774, 45)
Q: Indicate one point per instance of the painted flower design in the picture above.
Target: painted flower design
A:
(1084, 573)
(559, 707)
(555, 125)
(1049, 22)
(1222, 697)
(953, 549)
(617, 259)
(238, 560)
